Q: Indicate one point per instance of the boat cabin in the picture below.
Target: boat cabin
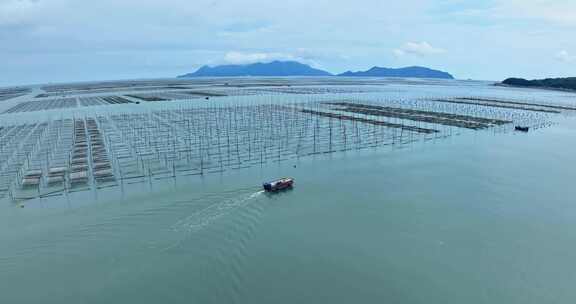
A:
(280, 184)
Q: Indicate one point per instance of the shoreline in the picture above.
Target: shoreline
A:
(499, 84)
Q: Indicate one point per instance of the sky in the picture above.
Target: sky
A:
(48, 41)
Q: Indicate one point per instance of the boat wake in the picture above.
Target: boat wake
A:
(219, 234)
(200, 219)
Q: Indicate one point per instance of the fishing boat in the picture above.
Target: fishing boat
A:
(521, 129)
(280, 184)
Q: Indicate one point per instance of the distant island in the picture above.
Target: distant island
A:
(568, 83)
(275, 68)
(408, 72)
(293, 68)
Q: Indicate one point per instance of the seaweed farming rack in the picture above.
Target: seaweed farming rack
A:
(112, 149)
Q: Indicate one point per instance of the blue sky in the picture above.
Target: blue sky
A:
(70, 40)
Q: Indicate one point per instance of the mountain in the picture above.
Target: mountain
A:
(553, 83)
(415, 72)
(275, 68)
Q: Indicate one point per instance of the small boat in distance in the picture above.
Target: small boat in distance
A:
(522, 129)
(280, 184)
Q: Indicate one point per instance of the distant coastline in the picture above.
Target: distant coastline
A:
(294, 68)
(271, 69)
(560, 84)
(413, 71)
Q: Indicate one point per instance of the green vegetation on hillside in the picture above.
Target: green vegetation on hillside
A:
(556, 83)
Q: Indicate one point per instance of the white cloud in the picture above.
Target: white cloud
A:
(300, 55)
(418, 48)
(565, 56)
(14, 12)
(242, 57)
(561, 12)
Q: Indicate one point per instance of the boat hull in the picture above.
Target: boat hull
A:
(278, 185)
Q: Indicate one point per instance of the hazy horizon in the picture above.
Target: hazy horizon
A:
(50, 41)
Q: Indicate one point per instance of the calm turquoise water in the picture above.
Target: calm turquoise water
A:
(477, 218)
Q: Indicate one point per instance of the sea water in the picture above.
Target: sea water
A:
(475, 218)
